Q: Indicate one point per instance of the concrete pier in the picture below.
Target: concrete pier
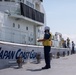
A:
(62, 66)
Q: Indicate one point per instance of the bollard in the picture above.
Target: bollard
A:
(38, 57)
(74, 52)
(58, 54)
(67, 52)
(63, 54)
(19, 62)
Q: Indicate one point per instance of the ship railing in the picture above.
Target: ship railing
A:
(24, 10)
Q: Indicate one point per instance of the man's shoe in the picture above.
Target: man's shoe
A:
(45, 67)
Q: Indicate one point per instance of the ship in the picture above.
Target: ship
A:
(22, 22)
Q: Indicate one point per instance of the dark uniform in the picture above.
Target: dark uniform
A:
(47, 48)
(73, 45)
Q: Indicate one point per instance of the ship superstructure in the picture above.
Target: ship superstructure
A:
(21, 21)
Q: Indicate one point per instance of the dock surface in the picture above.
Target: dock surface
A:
(62, 66)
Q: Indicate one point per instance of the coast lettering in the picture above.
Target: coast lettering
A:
(6, 54)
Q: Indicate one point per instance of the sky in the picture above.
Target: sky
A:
(61, 17)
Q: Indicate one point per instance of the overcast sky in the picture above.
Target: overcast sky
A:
(61, 17)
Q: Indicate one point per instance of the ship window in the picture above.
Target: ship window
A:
(41, 0)
(6, 0)
(13, 24)
(26, 28)
(18, 26)
(21, 1)
(38, 30)
(12, 0)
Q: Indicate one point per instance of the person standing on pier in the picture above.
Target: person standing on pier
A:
(73, 45)
(68, 43)
(47, 46)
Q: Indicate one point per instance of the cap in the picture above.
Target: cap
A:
(47, 28)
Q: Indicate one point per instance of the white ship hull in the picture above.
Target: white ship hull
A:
(10, 51)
